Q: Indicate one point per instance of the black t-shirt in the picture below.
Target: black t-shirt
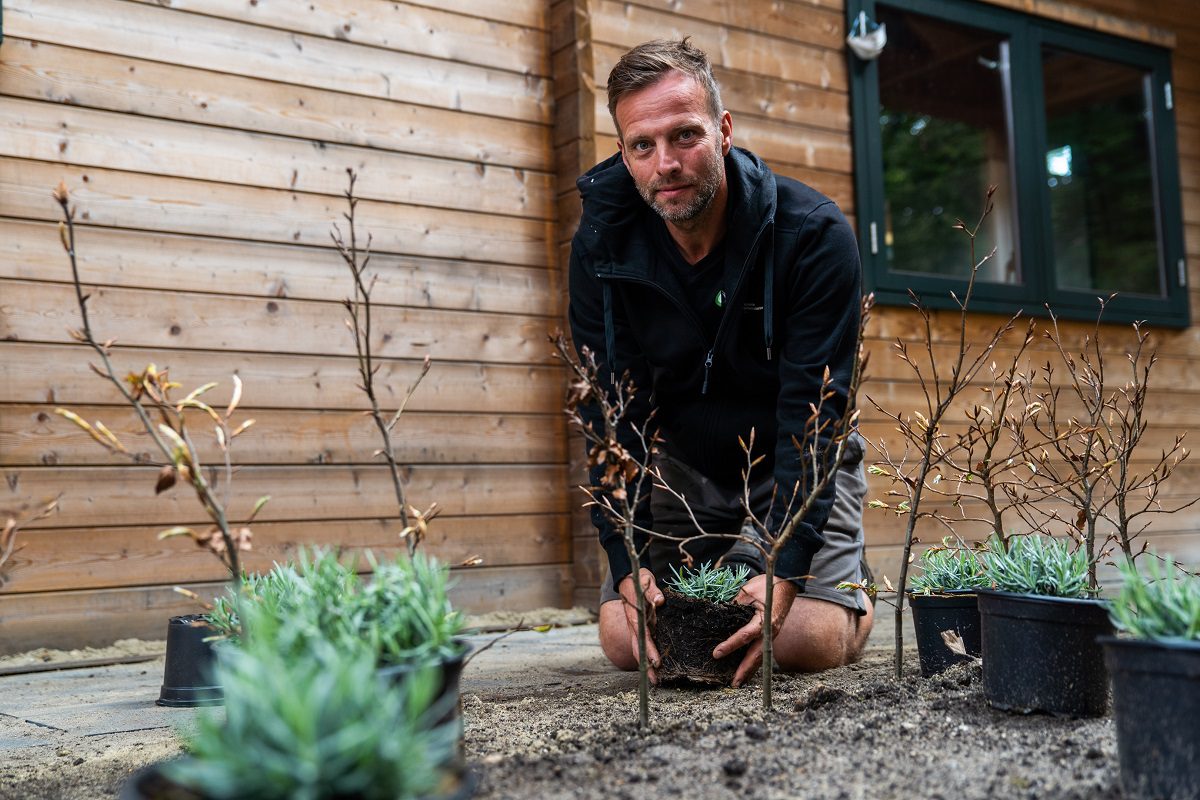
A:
(703, 283)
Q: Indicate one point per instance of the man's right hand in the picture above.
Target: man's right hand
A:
(654, 598)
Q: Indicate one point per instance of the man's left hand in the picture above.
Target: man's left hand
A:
(755, 593)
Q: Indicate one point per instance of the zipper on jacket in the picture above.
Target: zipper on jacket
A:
(734, 298)
(690, 314)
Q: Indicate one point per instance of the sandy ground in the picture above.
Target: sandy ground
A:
(547, 718)
(847, 734)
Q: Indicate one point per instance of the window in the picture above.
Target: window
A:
(1073, 127)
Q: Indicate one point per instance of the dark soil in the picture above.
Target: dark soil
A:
(853, 733)
(687, 631)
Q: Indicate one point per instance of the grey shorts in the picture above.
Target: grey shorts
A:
(719, 510)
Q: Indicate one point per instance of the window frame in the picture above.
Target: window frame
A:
(1026, 36)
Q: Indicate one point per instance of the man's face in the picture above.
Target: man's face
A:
(672, 147)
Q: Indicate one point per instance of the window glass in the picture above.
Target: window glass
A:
(1099, 175)
(944, 121)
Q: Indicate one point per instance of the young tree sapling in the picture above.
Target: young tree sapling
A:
(149, 395)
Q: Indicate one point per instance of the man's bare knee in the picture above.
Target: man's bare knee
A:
(614, 636)
(818, 635)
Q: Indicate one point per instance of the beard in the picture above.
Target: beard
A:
(706, 186)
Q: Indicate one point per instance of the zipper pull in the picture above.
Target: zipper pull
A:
(707, 366)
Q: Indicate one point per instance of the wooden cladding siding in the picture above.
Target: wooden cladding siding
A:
(206, 147)
(784, 75)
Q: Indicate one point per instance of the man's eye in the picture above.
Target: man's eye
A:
(641, 147)
(687, 136)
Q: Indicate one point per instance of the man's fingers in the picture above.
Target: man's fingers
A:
(749, 665)
(744, 635)
(652, 659)
(651, 650)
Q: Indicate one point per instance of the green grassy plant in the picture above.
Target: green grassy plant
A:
(403, 613)
(1164, 603)
(714, 584)
(1037, 564)
(950, 567)
(320, 726)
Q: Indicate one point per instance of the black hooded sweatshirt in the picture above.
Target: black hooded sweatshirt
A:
(792, 280)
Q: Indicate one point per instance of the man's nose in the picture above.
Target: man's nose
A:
(667, 162)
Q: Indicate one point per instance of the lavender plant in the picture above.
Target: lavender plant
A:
(1037, 564)
(714, 584)
(321, 725)
(951, 566)
(1161, 603)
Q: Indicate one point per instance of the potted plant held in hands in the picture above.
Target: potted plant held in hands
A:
(1039, 626)
(943, 599)
(1156, 681)
(698, 614)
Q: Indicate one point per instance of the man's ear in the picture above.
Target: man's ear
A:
(621, 150)
(726, 133)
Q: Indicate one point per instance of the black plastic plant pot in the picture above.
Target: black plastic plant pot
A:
(1041, 654)
(150, 783)
(687, 630)
(1156, 706)
(932, 614)
(188, 674)
(449, 673)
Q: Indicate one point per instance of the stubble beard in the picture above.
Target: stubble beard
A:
(706, 190)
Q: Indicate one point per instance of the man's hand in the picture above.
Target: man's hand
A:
(755, 593)
(654, 598)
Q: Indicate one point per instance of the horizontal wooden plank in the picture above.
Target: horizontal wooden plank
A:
(87, 138)
(526, 13)
(399, 26)
(1128, 25)
(35, 435)
(1175, 408)
(54, 560)
(172, 205)
(624, 25)
(165, 35)
(120, 495)
(1172, 372)
(282, 381)
(883, 528)
(1154, 441)
(898, 322)
(146, 88)
(134, 259)
(746, 93)
(100, 617)
(806, 22)
(35, 312)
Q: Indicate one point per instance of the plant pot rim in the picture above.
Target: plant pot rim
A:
(954, 593)
(465, 648)
(1141, 643)
(1045, 598)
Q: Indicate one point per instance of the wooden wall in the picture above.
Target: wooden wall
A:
(205, 143)
(783, 71)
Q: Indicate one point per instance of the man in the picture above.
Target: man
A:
(724, 291)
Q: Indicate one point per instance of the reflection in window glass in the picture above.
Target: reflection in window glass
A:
(1099, 175)
(944, 120)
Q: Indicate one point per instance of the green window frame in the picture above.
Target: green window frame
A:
(1025, 38)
